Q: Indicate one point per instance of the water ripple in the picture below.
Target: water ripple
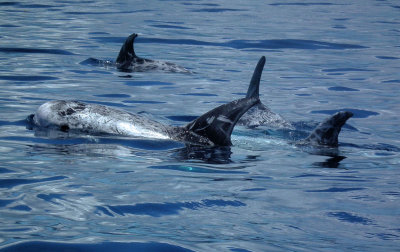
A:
(337, 189)
(357, 113)
(34, 50)
(339, 88)
(245, 44)
(161, 209)
(348, 217)
(10, 183)
(27, 78)
(92, 247)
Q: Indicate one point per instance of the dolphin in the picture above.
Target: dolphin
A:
(128, 61)
(325, 134)
(213, 128)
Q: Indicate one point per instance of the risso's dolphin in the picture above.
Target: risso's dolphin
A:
(325, 134)
(213, 128)
(128, 61)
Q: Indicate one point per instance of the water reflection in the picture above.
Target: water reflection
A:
(211, 155)
(332, 162)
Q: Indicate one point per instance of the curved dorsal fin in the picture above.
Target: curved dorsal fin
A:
(254, 86)
(217, 124)
(327, 132)
(127, 52)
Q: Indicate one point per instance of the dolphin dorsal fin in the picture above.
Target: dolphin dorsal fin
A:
(254, 86)
(127, 52)
(217, 125)
(327, 132)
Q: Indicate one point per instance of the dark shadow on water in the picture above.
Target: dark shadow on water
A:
(210, 155)
(350, 218)
(40, 246)
(333, 162)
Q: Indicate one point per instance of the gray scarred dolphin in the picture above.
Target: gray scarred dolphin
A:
(325, 134)
(214, 128)
(128, 61)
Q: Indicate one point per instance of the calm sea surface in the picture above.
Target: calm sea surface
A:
(88, 193)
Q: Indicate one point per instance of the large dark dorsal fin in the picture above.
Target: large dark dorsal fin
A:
(127, 53)
(254, 86)
(327, 132)
(216, 125)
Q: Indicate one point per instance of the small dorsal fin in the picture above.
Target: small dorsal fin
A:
(254, 86)
(127, 52)
(327, 132)
(217, 124)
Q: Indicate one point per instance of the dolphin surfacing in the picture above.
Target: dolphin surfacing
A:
(214, 128)
(128, 61)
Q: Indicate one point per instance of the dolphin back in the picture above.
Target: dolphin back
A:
(217, 125)
(327, 132)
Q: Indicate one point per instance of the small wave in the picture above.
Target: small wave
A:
(357, 113)
(166, 208)
(349, 69)
(144, 102)
(302, 4)
(148, 83)
(27, 78)
(171, 27)
(195, 169)
(10, 183)
(104, 12)
(216, 10)
(337, 189)
(27, 6)
(348, 217)
(340, 88)
(92, 247)
(34, 50)
(113, 95)
(198, 94)
(387, 57)
(391, 81)
(244, 44)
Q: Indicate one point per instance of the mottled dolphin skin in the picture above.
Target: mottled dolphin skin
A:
(214, 128)
(261, 115)
(128, 61)
(325, 134)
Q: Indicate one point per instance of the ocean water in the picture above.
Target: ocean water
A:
(103, 193)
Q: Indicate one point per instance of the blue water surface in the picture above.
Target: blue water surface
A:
(109, 193)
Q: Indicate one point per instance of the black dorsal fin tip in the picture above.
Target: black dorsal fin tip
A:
(254, 87)
(217, 124)
(327, 132)
(127, 52)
